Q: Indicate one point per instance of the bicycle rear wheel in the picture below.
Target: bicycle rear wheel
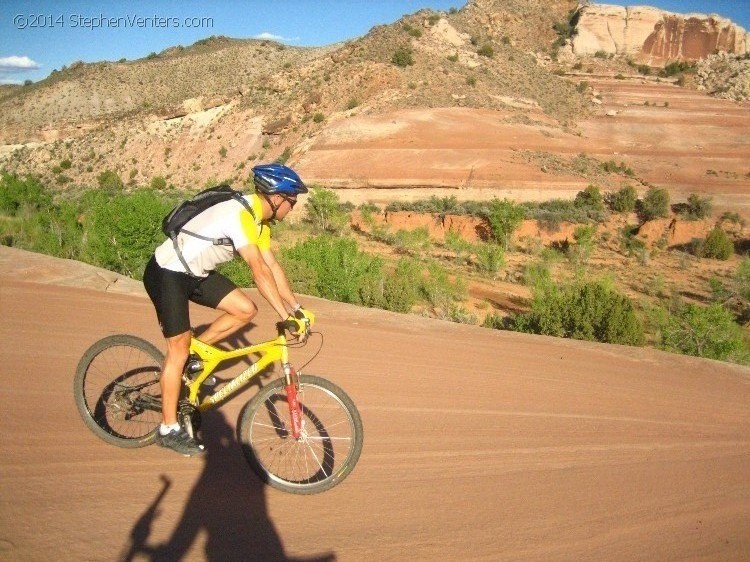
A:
(322, 456)
(116, 389)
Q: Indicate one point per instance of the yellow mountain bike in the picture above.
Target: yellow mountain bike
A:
(300, 433)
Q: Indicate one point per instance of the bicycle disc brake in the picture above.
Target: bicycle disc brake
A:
(189, 417)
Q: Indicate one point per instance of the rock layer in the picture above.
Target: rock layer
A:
(654, 36)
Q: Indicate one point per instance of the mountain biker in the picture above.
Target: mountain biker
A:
(170, 286)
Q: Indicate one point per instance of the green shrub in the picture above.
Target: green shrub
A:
(717, 245)
(504, 217)
(122, 230)
(590, 311)
(17, 193)
(590, 197)
(324, 211)
(335, 268)
(490, 259)
(698, 207)
(402, 57)
(439, 290)
(486, 51)
(109, 180)
(401, 288)
(624, 200)
(412, 240)
(655, 204)
(158, 183)
(317, 118)
(708, 332)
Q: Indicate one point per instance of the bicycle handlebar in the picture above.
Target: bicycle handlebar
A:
(292, 326)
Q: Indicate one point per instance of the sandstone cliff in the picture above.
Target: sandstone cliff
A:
(654, 36)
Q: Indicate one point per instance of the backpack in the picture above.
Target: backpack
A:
(177, 218)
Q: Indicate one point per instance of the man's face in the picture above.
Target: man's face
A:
(283, 204)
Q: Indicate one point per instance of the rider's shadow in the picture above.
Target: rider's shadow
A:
(227, 505)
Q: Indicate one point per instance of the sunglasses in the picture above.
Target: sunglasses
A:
(291, 200)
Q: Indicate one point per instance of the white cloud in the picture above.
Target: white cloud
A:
(14, 64)
(271, 37)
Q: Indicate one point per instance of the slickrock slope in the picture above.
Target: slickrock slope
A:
(655, 36)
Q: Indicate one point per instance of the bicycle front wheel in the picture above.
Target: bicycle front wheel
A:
(117, 392)
(326, 451)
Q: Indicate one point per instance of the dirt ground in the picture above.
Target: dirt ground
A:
(479, 445)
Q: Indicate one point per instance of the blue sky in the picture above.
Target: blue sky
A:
(38, 36)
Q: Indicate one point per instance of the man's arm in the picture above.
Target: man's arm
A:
(282, 282)
(265, 279)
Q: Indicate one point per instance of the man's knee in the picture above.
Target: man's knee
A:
(240, 306)
(178, 349)
(246, 311)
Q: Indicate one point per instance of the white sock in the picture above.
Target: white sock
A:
(164, 429)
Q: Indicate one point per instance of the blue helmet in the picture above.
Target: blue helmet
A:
(277, 178)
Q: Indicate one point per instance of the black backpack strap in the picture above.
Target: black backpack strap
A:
(216, 241)
(238, 196)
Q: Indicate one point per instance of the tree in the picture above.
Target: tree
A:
(703, 332)
(324, 211)
(624, 200)
(504, 218)
(122, 230)
(717, 245)
(655, 204)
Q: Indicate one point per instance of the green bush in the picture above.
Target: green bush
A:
(324, 211)
(158, 183)
(655, 204)
(486, 51)
(335, 269)
(504, 217)
(590, 197)
(401, 288)
(590, 311)
(122, 230)
(439, 290)
(708, 332)
(109, 180)
(698, 207)
(717, 245)
(624, 200)
(490, 259)
(402, 57)
(17, 193)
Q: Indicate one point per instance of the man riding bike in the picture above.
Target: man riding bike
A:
(170, 286)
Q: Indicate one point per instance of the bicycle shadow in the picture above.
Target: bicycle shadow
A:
(227, 505)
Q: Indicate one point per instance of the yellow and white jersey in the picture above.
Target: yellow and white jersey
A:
(228, 219)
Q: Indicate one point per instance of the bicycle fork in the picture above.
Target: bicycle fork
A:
(295, 410)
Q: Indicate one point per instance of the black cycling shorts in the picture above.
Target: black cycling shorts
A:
(170, 292)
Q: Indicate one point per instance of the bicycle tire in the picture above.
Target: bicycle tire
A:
(117, 392)
(332, 427)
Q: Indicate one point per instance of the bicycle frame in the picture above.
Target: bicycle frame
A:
(270, 351)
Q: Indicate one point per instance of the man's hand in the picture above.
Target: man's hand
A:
(297, 328)
(305, 316)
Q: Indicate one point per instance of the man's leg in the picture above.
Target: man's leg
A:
(178, 348)
(238, 310)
